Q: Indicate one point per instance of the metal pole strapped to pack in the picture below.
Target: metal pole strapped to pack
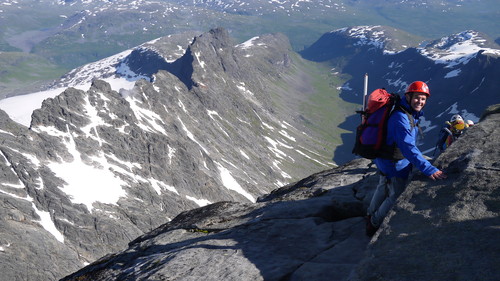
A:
(365, 91)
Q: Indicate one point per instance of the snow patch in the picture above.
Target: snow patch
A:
(453, 73)
(45, 218)
(274, 148)
(158, 186)
(8, 133)
(426, 124)
(367, 35)
(87, 184)
(457, 49)
(171, 152)
(2, 249)
(199, 202)
(191, 136)
(244, 90)
(309, 157)
(150, 120)
(285, 134)
(244, 154)
(20, 108)
(48, 224)
(453, 109)
(267, 126)
(202, 63)
(247, 44)
(230, 183)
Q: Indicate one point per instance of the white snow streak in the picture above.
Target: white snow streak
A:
(158, 186)
(309, 157)
(230, 183)
(2, 249)
(48, 224)
(45, 219)
(171, 152)
(285, 134)
(453, 73)
(191, 136)
(199, 202)
(202, 63)
(278, 153)
(247, 44)
(149, 118)
(8, 133)
(244, 154)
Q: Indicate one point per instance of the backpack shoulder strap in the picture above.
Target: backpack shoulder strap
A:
(412, 120)
(399, 107)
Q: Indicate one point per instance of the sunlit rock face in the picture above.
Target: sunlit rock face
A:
(98, 167)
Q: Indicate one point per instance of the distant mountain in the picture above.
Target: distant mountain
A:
(73, 33)
(461, 71)
(98, 167)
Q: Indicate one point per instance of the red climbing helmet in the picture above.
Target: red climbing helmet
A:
(418, 87)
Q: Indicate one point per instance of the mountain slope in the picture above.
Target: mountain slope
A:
(314, 230)
(99, 167)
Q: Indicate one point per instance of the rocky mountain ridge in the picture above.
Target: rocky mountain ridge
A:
(97, 168)
(314, 230)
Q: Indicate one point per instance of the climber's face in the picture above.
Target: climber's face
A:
(416, 100)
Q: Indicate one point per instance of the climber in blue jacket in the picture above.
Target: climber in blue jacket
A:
(395, 174)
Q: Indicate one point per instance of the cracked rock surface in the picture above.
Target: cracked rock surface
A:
(303, 231)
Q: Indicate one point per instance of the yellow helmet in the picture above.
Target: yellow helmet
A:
(459, 125)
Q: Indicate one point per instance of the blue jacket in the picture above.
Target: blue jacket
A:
(400, 132)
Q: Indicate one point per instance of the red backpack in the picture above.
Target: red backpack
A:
(371, 135)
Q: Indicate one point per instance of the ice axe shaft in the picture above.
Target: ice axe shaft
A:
(365, 91)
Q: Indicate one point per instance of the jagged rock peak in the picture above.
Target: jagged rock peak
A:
(219, 35)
